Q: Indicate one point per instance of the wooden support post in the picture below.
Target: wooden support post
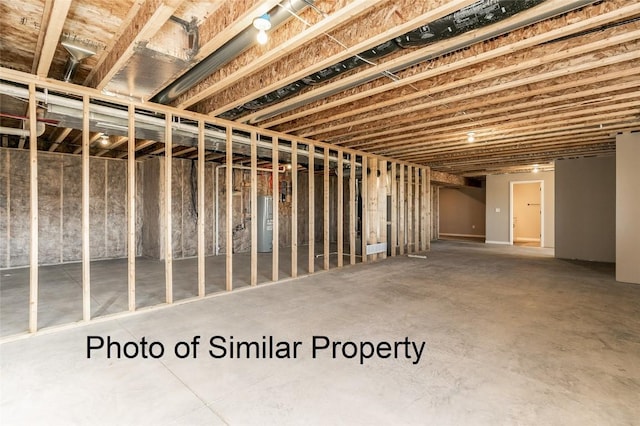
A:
(435, 212)
(416, 208)
(276, 204)
(254, 209)
(382, 204)
(394, 210)
(371, 232)
(365, 202)
(131, 200)
(410, 246)
(168, 241)
(33, 194)
(312, 228)
(425, 209)
(340, 213)
(294, 209)
(326, 211)
(86, 247)
(201, 211)
(229, 213)
(352, 210)
(401, 211)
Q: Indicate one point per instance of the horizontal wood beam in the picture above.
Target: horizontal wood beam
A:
(391, 21)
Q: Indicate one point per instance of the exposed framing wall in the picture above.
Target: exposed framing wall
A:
(374, 189)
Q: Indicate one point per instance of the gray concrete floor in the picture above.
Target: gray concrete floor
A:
(60, 286)
(513, 336)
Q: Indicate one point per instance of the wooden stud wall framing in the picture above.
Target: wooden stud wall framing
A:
(352, 210)
(254, 210)
(382, 204)
(394, 210)
(398, 189)
(425, 210)
(326, 212)
(276, 203)
(370, 207)
(294, 209)
(86, 247)
(168, 226)
(363, 196)
(401, 211)
(410, 246)
(229, 212)
(416, 209)
(33, 187)
(201, 210)
(339, 214)
(131, 209)
(312, 228)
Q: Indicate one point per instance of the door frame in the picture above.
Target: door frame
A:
(516, 182)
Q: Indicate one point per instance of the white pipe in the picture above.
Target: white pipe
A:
(21, 132)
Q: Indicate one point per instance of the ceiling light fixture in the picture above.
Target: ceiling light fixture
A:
(471, 137)
(535, 168)
(262, 24)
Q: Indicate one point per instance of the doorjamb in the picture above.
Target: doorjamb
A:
(516, 182)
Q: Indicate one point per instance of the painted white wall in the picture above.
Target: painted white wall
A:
(628, 208)
(498, 193)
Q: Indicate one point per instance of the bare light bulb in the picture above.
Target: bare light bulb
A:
(104, 140)
(262, 37)
(471, 137)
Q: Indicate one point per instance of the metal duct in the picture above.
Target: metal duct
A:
(77, 53)
(68, 112)
(22, 132)
(479, 14)
(227, 52)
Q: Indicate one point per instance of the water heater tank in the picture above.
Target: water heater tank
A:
(265, 223)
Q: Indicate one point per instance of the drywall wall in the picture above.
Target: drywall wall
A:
(497, 211)
(628, 208)
(586, 209)
(462, 211)
(60, 208)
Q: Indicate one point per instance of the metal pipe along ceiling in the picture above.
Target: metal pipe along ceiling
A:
(478, 15)
(227, 52)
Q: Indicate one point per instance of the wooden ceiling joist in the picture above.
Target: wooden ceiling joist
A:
(53, 29)
(509, 44)
(287, 39)
(391, 21)
(623, 53)
(471, 112)
(475, 63)
(145, 24)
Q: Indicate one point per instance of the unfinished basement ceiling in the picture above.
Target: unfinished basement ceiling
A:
(533, 80)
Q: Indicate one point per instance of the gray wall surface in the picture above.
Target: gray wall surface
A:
(462, 211)
(586, 209)
(628, 208)
(498, 192)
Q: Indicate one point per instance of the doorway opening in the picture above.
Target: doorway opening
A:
(526, 213)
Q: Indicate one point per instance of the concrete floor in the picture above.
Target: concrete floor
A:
(513, 337)
(60, 286)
